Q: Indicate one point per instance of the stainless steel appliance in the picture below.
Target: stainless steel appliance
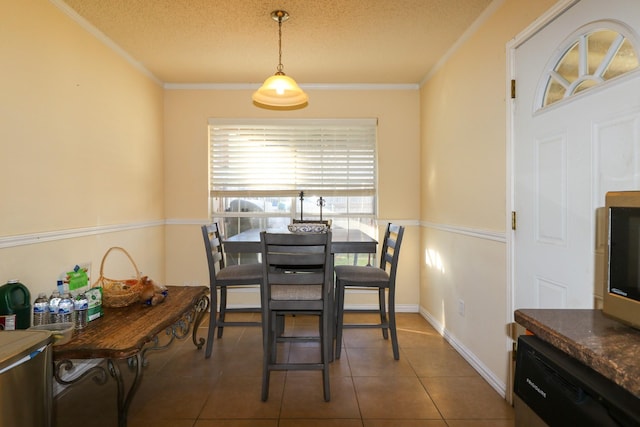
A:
(554, 389)
(25, 379)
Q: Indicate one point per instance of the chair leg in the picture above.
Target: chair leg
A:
(326, 347)
(332, 323)
(269, 352)
(212, 322)
(392, 326)
(339, 318)
(383, 313)
(223, 310)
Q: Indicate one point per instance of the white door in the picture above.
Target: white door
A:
(567, 155)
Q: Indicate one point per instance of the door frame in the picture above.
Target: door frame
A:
(514, 330)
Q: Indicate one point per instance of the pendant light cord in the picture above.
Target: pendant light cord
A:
(280, 66)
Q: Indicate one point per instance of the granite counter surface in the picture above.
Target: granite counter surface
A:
(606, 345)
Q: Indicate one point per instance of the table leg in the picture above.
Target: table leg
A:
(124, 399)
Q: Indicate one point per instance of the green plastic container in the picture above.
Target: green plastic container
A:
(16, 299)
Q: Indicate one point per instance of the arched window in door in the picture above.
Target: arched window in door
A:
(593, 55)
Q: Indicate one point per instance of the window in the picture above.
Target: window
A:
(258, 168)
(591, 57)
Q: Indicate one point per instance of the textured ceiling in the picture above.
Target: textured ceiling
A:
(324, 41)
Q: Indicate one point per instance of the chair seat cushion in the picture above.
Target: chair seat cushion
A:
(353, 275)
(296, 292)
(249, 273)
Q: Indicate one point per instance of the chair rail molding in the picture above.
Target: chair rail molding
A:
(496, 236)
(74, 233)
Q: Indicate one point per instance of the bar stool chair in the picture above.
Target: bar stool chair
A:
(297, 280)
(222, 277)
(383, 279)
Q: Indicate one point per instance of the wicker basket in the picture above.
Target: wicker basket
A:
(115, 292)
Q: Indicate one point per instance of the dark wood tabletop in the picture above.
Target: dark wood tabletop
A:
(343, 241)
(123, 332)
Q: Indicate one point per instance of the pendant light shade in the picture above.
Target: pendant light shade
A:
(280, 91)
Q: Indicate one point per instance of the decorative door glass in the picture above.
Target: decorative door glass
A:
(589, 58)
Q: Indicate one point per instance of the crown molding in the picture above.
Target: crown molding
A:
(484, 16)
(87, 26)
(307, 86)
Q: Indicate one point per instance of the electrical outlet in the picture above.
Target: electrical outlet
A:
(461, 307)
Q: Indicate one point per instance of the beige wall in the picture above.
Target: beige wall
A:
(88, 165)
(94, 154)
(81, 151)
(463, 138)
(186, 166)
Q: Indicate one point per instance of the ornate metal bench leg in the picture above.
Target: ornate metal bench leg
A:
(97, 373)
(124, 399)
(200, 309)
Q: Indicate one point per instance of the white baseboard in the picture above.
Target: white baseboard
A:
(467, 354)
(400, 308)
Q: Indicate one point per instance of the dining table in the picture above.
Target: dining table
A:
(343, 241)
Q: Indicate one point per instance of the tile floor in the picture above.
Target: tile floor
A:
(430, 386)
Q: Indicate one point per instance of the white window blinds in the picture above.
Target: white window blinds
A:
(284, 157)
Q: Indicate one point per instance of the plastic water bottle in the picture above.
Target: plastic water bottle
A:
(81, 309)
(41, 310)
(54, 302)
(65, 308)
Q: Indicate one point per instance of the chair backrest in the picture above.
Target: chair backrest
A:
(213, 247)
(291, 259)
(391, 250)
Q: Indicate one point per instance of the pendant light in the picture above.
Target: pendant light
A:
(280, 91)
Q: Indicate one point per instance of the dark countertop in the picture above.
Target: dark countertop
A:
(606, 345)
